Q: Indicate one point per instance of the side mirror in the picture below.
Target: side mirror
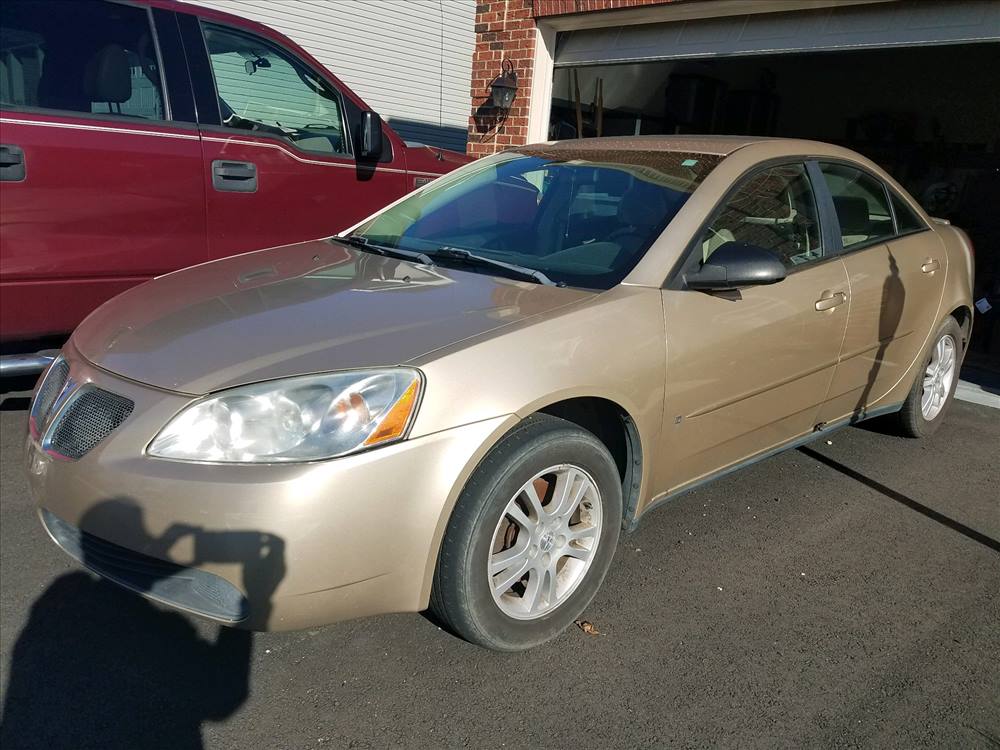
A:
(737, 264)
(369, 142)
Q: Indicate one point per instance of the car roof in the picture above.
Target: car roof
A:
(720, 145)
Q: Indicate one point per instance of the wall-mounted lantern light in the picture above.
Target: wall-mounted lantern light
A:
(504, 87)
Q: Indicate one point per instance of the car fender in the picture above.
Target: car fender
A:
(574, 352)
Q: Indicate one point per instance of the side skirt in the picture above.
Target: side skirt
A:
(632, 523)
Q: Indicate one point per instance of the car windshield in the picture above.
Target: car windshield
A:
(581, 222)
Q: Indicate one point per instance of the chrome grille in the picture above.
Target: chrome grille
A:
(89, 416)
(188, 588)
(48, 394)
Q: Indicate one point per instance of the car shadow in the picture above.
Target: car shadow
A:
(905, 500)
(97, 666)
(14, 402)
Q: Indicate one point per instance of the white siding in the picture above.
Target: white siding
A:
(410, 60)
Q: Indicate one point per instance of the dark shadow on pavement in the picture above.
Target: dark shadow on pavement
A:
(899, 497)
(883, 425)
(97, 666)
(15, 403)
(15, 392)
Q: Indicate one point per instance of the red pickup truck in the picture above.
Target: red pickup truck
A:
(143, 136)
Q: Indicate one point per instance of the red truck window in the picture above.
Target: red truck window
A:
(264, 90)
(80, 57)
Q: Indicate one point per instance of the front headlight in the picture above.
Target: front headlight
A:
(296, 419)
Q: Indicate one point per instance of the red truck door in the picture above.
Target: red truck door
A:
(279, 163)
(100, 174)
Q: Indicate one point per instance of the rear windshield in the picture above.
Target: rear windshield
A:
(582, 222)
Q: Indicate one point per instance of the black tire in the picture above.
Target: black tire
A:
(910, 420)
(461, 597)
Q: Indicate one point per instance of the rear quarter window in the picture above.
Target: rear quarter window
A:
(906, 219)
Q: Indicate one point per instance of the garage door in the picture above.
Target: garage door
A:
(890, 24)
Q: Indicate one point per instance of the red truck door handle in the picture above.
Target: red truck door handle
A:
(11, 163)
(234, 176)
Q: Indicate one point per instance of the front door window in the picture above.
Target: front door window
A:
(773, 209)
(266, 91)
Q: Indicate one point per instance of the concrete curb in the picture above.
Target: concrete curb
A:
(976, 394)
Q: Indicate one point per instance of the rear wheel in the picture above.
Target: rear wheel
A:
(531, 537)
(934, 386)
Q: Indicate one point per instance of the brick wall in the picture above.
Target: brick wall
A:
(505, 30)
(559, 7)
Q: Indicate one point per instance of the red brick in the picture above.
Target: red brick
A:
(505, 30)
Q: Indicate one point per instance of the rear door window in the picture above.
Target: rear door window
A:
(90, 56)
(861, 203)
(266, 91)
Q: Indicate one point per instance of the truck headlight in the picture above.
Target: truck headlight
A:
(304, 418)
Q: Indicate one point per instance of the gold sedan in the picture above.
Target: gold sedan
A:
(461, 402)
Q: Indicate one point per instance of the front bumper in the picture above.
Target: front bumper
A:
(266, 547)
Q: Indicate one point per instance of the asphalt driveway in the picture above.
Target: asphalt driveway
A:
(846, 594)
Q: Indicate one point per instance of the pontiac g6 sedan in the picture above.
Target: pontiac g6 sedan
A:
(460, 402)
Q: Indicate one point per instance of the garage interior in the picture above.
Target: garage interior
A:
(928, 114)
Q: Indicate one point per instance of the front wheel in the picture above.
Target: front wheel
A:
(531, 537)
(934, 387)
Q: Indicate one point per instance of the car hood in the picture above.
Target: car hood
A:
(293, 310)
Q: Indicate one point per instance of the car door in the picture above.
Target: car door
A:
(100, 172)
(748, 370)
(278, 153)
(896, 269)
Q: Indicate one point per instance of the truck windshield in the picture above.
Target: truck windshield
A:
(581, 222)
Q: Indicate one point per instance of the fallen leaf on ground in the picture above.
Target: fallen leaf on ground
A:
(588, 627)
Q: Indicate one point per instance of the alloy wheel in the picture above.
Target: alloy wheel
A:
(938, 377)
(545, 542)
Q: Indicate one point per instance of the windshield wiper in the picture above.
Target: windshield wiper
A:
(466, 256)
(389, 252)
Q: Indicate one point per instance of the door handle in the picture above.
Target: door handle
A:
(930, 266)
(234, 176)
(830, 300)
(11, 163)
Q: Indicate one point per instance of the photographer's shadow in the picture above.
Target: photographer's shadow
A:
(98, 666)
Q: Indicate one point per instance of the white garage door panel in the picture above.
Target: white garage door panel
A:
(410, 60)
(903, 23)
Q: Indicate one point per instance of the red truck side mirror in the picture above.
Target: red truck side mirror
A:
(369, 142)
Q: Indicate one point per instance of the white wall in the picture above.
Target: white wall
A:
(410, 60)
